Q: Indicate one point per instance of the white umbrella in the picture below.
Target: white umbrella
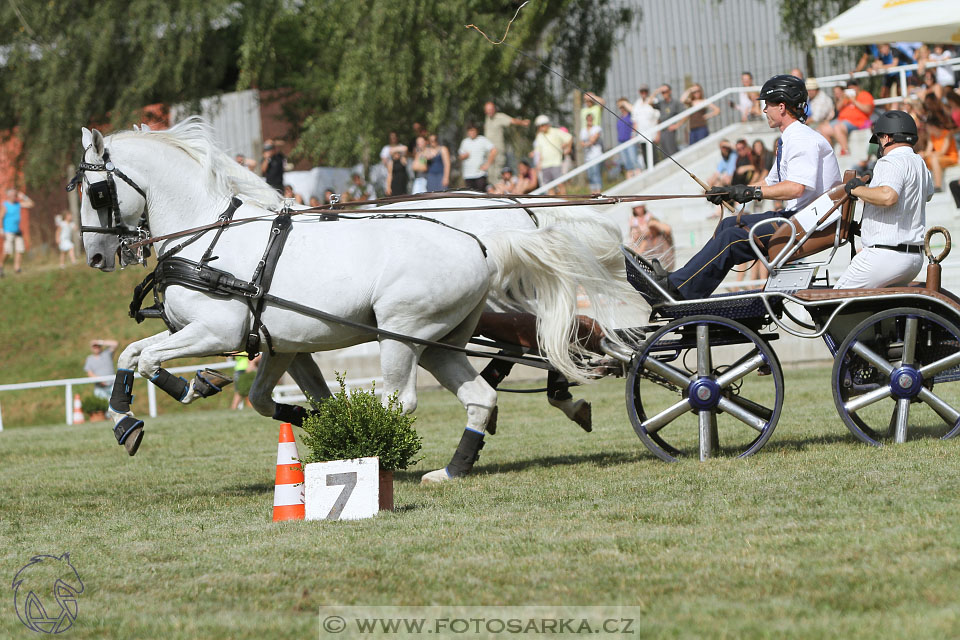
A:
(877, 21)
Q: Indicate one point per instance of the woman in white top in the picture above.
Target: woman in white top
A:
(65, 229)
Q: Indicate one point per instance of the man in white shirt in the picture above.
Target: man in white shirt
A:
(644, 117)
(806, 167)
(549, 147)
(894, 209)
(476, 155)
(592, 149)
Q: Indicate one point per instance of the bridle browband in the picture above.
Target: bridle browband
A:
(103, 197)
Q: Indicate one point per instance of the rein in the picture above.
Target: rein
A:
(335, 212)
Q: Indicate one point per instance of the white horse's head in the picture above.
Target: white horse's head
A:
(112, 206)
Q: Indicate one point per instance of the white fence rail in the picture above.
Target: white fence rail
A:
(281, 393)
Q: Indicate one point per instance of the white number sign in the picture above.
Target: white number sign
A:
(342, 489)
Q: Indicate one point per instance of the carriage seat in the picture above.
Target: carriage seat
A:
(917, 289)
(820, 240)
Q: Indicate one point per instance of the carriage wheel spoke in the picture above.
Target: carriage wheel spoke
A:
(704, 361)
(671, 373)
(855, 404)
(741, 413)
(666, 416)
(943, 409)
(708, 433)
(901, 417)
(867, 354)
(746, 365)
(910, 340)
(932, 369)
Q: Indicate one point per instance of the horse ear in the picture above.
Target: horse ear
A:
(97, 142)
(86, 138)
(144, 127)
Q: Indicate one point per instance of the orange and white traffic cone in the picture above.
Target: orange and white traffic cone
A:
(288, 501)
(78, 416)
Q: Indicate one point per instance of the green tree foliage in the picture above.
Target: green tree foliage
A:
(799, 19)
(357, 69)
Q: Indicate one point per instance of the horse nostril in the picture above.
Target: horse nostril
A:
(96, 260)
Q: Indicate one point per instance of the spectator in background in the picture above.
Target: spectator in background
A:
(438, 164)
(748, 102)
(419, 165)
(476, 154)
(361, 191)
(272, 164)
(13, 207)
(393, 143)
(495, 124)
(652, 238)
(853, 112)
(941, 149)
(244, 372)
(315, 202)
(668, 107)
(645, 118)
(550, 145)
(884, 56)
(744, 171)
(820, 105)
(526, 177)
(628, 157)
(592, 149)
(507, 183)
(723, 176)
(930, 85)
(100, 363)
(592, 105)
(289, 194)
(945, 74)
(697, 120)
(397, 177)
(762, 162)
(953, 105)
(241, 159)
(65, 229)
(328, 195)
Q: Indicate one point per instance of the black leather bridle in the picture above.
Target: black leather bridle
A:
(103, 198)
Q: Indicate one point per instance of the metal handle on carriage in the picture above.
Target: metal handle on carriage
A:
(784, 253)
(926, 244)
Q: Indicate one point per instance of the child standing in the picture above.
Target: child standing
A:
(65, 229)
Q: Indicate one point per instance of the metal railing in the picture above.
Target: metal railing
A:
(822, 82)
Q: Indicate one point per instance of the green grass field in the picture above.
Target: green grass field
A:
(817, 536)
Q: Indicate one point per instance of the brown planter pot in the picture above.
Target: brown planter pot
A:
(386, 490)
(98, 416)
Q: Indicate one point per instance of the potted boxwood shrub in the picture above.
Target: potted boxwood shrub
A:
(94, 407)
(357, 425)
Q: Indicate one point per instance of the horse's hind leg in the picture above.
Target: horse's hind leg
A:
(454, 372)
(269, 372)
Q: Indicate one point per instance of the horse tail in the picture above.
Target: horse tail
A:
(544, 270)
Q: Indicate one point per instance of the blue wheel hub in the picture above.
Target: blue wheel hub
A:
(704, 393)
(905, 382)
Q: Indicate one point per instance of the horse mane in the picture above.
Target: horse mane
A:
(224, 176)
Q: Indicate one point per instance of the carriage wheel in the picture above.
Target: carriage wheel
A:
(899, 371)
(704, 385)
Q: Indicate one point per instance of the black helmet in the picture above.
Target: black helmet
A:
(899, 125)
(790, 90)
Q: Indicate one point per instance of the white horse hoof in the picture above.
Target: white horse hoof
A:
(579, 411)
(436, 477)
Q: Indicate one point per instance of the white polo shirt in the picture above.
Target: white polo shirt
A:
(904, 222)
(808, 159)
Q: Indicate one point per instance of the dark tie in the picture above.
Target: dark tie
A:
(779, 153)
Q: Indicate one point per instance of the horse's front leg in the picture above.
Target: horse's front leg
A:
(127, 428)
(193, 341)
(306, 373)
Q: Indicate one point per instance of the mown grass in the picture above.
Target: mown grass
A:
(816, 536)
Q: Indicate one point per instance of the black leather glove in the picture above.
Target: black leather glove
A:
(853, 184)
(737, 193)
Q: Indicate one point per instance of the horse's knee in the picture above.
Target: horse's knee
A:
(128, 358)
(408, 399)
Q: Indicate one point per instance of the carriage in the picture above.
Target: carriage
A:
(221, 286)
(706, 379)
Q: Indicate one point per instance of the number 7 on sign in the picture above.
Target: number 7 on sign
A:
(349, 483)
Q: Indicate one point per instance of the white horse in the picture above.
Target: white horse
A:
(410, 277)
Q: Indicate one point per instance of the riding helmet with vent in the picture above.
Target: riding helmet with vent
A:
(786, 89)
(899, 125)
